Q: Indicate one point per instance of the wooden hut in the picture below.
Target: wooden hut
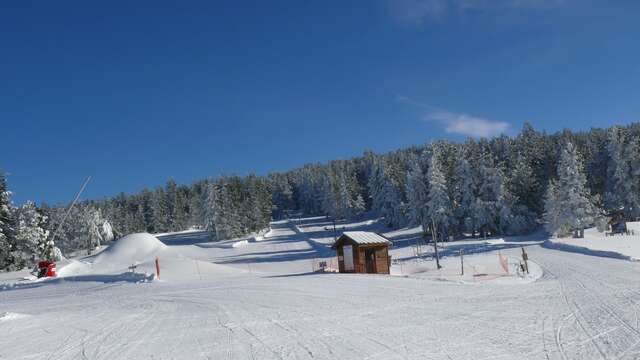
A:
(363, 252)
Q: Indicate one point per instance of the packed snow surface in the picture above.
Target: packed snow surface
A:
(262, 301)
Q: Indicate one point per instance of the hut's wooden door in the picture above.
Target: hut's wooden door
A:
(347, 251)
(370, 260)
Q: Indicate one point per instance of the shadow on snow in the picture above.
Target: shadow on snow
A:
(105, 279)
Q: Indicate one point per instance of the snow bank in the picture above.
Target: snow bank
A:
(131, 249)
(624, 247)
(267, 235)
(240, 243)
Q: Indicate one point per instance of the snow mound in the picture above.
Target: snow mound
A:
(131, 249)
(72, 268)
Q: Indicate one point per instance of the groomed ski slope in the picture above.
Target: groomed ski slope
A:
(259, 301)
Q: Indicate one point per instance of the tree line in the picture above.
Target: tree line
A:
(566, 181)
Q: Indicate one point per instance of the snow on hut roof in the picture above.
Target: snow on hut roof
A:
(366, 238)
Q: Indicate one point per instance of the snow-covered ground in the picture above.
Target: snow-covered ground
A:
(596, 243)
(257, 298)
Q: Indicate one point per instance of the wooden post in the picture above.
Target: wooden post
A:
(525, 257)
(157, 268)
(461, 263)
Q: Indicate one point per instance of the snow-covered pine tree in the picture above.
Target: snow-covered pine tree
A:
(135, 220)
(328, 198)
(531, 145)
(633, 158)
(181, 209)
(210, 196)
(622, 186)
(521, 182)
(463, 195)
(259, 203)
(577, 210)
(514, 217)
(31, 237)
(517, 214)
(171, 201)
(386, 199)
(356, 203)
(359, 205)
(145, 209)
(106, 231)
(7, 227)
(439, 213)
(91, 226)
(489, 197)
(226, 219)
(552, 209)
(345, 198)
(615, 192)
(308, 189)
(417, 192)
(160, 210)
(347, 194)
(197, 204)
(282, 193)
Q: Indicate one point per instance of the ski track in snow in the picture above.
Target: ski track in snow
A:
(584, 307)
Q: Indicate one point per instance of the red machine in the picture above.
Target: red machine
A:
(46, 269)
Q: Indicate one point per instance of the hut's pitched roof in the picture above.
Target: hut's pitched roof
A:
(363, 238)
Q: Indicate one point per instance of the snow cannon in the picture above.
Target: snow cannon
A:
(46, 269)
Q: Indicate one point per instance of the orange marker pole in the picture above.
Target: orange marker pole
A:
(157, 268)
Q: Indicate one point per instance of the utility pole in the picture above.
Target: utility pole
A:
(335, 233)
(434, 235)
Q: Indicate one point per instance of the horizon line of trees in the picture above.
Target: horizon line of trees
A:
(566, 181)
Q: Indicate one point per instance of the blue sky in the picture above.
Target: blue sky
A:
(135, 93)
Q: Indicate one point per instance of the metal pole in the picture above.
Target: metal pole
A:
(75, 199)
(461, 263)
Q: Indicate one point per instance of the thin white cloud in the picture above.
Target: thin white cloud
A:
(458, 123)
(463, 124)
(418, 12)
